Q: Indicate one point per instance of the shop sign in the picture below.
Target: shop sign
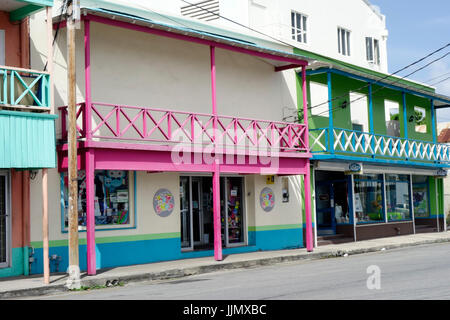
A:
(163, 202)
(270, 179)
(267, 199)
(354, 168)
(441, 173)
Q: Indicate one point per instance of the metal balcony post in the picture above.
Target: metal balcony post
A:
(330, 115)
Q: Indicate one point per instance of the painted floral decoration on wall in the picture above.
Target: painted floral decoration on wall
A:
(163, 202)
(267, 199)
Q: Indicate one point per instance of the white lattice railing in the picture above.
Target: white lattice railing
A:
(363, 143)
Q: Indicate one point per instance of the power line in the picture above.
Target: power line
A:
(383, 86)
(440, 81)
(239, 24)
(437, 77)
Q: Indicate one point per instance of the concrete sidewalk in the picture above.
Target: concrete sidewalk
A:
(34, 286)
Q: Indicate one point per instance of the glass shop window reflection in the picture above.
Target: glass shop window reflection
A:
(368, 197)
(111, 201)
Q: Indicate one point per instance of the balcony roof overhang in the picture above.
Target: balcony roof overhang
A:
(195, 32)
(19, 9)
(391, 82)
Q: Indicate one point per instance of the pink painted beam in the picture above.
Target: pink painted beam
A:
(309, 237)
(179, 36)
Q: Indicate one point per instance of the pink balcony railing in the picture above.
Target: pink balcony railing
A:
(165, 127)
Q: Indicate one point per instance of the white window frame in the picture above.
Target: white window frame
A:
(424, 113)
(344, 43)
(359, 112)
(299, 30)
(373, 50)
(318, 95)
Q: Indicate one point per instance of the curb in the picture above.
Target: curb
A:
(184, 272)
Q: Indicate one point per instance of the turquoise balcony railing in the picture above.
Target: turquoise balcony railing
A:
(24, 88)
(377, 146)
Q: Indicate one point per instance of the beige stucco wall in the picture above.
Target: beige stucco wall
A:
(283, 213)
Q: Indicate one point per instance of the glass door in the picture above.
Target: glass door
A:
(185, 210)
(325, 208)
(197, 210)
(4, 220)
(234, 226)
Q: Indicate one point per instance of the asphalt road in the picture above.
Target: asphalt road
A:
(421, 272)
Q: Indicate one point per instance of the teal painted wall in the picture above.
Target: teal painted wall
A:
(16, 262)
(27, 140)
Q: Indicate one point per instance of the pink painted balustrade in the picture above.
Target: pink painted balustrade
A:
(165, 127)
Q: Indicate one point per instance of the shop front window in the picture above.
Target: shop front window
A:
(111, 198)
(420, 196)
(368, 198)
(397, 197)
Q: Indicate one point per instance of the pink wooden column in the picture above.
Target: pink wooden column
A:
(216, 173)
(309, 236)
(216, 215)
(89, 157)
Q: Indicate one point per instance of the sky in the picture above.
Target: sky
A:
(417, 28)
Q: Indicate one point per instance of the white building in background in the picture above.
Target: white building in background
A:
(356, 33)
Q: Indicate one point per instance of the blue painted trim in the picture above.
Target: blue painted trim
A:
(371, 125)
(338, 157)
(330, 115)
(433, 121)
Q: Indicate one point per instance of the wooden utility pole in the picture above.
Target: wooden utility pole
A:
(45, 245)
(73, 282)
